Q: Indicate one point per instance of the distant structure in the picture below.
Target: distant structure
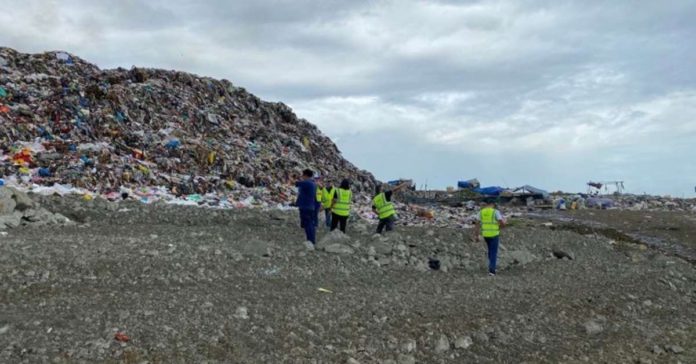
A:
(594, 188)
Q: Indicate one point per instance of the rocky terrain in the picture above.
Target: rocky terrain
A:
(133, 283)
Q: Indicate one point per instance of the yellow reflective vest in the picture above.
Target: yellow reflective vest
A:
(342, 205)
(320, 193)
(384, 208)
(327, 197)
(490, 227)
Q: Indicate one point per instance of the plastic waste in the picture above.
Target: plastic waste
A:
(44, 172)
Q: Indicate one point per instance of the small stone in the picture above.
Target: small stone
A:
(406, 359)
(593, 328)
(4, 329)
(338, 248)
(409, 346)
(334, 237)
(676, 349)
(371, 251)
(563, 254)
(463, 342)
(657, 350)
(442, 345)
(481, 337)
(352, 361)
(242, 313)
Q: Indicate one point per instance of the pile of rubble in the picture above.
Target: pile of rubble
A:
(16, 208)
(153, 133)
(631, 202)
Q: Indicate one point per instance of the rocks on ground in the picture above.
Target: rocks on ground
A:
(17, 208)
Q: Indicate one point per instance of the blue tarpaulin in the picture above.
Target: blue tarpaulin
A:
(489, 191)
(472, 183)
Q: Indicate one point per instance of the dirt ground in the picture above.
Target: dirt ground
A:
(669, 231)
(668, 225)
(191, 285)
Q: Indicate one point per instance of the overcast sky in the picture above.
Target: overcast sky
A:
(547, 93)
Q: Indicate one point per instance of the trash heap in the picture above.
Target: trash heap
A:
(152, 134)
(624, 202)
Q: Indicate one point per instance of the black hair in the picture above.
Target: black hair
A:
(378, 189)
(345, 184)
(308, 173)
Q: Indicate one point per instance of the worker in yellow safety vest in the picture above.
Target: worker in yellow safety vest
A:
(491, 220)
(340, 207)
(384, 208)
(325, 196)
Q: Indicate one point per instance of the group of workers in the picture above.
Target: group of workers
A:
(315, 195)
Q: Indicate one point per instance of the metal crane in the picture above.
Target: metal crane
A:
(593, 188)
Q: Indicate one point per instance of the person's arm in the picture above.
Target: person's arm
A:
(501, 219)
(476, 231)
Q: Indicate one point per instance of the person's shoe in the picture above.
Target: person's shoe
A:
(492, 274)
(309, 245)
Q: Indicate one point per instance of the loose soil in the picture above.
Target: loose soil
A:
(191, 285)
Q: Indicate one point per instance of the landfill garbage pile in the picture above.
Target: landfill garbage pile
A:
(16, 209)
(152, 134)
(630, 202)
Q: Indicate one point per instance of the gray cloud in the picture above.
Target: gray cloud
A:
(546, 92)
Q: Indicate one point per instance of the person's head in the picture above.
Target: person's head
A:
(489, 201)
(345, 184)
(318, 180)
(378, 189)
(307, 174)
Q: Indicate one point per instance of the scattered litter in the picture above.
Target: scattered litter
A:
(121, 337)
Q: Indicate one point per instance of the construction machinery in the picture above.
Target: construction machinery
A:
(594, 188)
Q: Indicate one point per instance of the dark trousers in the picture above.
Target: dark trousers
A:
(492, 252)
(307, 217)
(386, 222)
(336, 220)
(327, 217)
(317, 207)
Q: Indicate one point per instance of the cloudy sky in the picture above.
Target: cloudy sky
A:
(548, 93)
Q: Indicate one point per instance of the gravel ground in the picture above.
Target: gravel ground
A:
(190, 285)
